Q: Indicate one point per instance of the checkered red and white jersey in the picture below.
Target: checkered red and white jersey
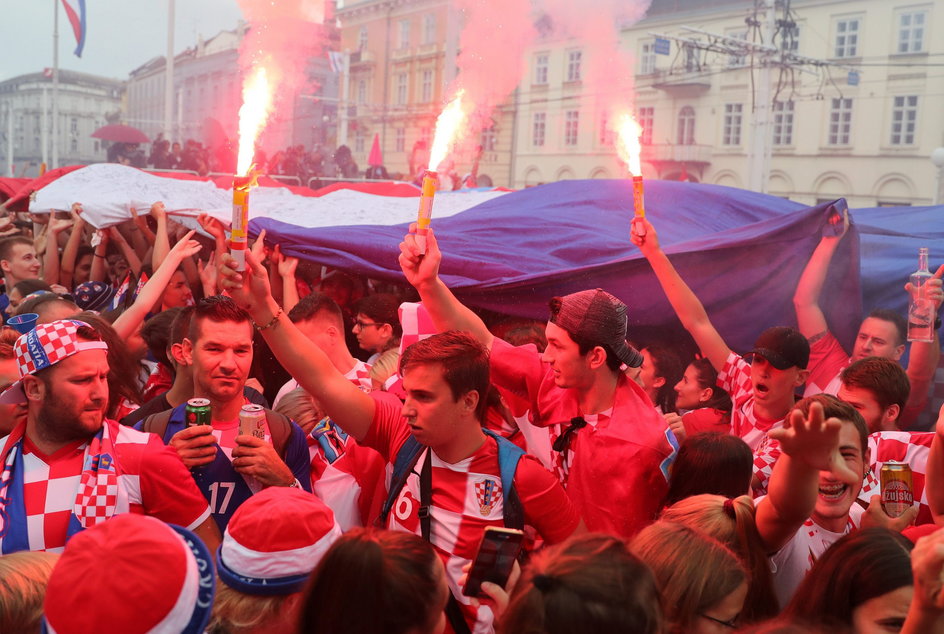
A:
(151, 480)
(901, 446)
(827, 361)
(735, 379)
(359, 375)
(467, 496)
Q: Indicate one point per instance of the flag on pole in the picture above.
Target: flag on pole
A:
(75, 10)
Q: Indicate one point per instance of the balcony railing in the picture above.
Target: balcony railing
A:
(672, 153)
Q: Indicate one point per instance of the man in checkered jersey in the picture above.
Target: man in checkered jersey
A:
(66, 467)
(228, 467)
(762, 391)
(445, 378)
(881, 334)
(611, 450)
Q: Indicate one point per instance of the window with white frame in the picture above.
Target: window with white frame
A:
(840, 121)
(644, 117)
(359, 142)
(399, 140)
(790, 38)
(686, 126)
(647, 58)
(911, 30)
(362, 38)
(571, 126)
(574, 60)
(904, 119)
(847, 37)
(540, 68)
(427, 86)
(607, 135)
(402, 82)
(692, 59)
(404, 34)
(361, 91)
(429, 29)
(539, 128)
(733, 113)
(783, 123)
(735, 61)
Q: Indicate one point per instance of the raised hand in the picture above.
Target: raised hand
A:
(816, 442)
(249, 288)
(933, 288)
(420, 269)
(158, 211)
(212, 226)
(648, 242)
(259, 248)
(186, 247)
(208, 275)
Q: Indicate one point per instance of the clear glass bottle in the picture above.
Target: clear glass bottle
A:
(921, 309)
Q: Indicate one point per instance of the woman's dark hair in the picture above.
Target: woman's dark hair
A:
(373, 581)
(123, 373)
(25, 287)
(708, 378)
(667, 365)
(860, 566)
(590, 583)
(711, 462)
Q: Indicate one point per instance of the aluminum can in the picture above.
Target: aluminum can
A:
(252, 421)
(897, 489)
(198, 412)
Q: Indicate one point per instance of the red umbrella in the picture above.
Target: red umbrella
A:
(375, 158)
(120, 133)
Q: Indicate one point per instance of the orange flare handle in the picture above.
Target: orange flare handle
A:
(425, 214)
(639, 207)
(239, 235)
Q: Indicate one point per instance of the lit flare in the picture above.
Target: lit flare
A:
(629, 148)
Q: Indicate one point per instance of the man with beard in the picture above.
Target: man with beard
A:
(228, 466)
(66, 467)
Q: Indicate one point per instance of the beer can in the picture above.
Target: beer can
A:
(252, 421)
(897, 491)
(198, 412)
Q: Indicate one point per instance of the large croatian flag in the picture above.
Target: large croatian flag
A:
(75, 9)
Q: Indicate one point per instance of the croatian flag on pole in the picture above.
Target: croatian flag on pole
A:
(75, 9)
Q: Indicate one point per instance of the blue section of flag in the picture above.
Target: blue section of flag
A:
(75, 11)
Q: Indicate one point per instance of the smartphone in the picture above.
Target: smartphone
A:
(498, 551)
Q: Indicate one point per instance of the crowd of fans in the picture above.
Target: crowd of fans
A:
(658, 490)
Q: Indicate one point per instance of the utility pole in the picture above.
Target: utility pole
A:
(758, 160)
(55, 84)
(343, 98)
(169, 75)
(765, 55)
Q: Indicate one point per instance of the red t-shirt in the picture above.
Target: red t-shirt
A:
(467, 496)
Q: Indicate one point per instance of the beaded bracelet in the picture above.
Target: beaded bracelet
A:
(271, 323)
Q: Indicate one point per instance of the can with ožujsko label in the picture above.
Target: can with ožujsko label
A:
(897, 489)
(252, 421)
(198, 412)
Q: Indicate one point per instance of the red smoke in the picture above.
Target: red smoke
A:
(283, 36)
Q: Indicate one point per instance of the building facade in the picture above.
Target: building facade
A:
(854, 112)
(402, 63)
(86, 102)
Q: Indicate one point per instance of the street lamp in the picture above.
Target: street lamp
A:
(937, 157)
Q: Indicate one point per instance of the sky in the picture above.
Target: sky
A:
(122, 34)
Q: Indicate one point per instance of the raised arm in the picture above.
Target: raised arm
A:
(51, 259)
(128, 322)
(99, 269)
(71, 250)
(422, 271)
(134, 262)
(810, 444)
(810, 317)
(347, 406)
(161, 238)
(686, 304)
(924, 357)
(934, 480)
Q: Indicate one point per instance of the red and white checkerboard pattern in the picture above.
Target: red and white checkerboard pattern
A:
(735, 379)
(96, 503)
(57, 339)
(911, 448)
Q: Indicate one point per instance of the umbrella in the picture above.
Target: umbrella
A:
(120, 133)
(375, 158)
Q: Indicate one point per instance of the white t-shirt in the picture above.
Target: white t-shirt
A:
(790, 564)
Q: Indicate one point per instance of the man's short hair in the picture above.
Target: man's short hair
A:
(219, 309)
(313, 306)
(834, 408)
(889, 315)
(180, 327)
(7, 244)
(885, 379)
(463, 359)
(41, 304)
(383, 309)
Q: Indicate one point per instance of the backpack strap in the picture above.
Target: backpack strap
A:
(280, 430)
(404, 462)
(157, 423)
(509, 454)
